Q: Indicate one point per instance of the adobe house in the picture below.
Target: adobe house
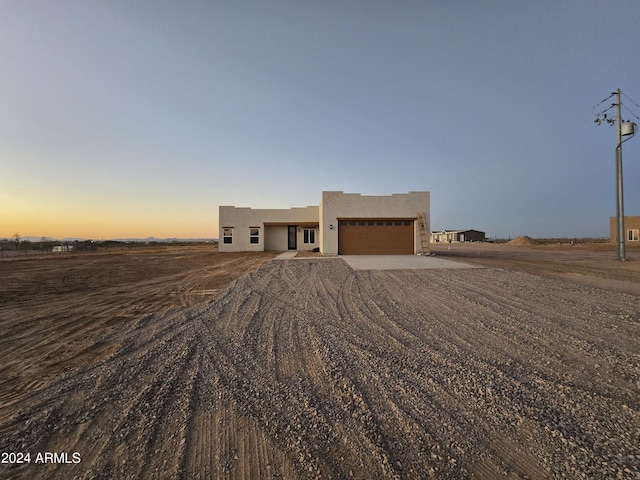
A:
(343, 224)
(631, 229)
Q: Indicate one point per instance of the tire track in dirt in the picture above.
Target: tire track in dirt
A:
(469, 339)
(56, 310)
(384, 388)
(308, 369)
(447, 349)
(564, 345)
(121, 429)
(300, 405)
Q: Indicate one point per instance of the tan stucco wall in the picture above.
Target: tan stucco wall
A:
(338, 205)
(277, 238)
(630, 222)
(300, 238)
(242, 218)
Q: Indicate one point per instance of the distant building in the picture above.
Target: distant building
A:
(454, 236)
(63, 248)
(631, 229)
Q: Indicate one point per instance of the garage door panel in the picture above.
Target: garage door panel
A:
(375, 237)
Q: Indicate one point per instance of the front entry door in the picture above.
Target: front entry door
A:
(293, 237)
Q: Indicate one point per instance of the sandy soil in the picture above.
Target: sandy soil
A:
(587, 264)
(308, 369)
(54, 308)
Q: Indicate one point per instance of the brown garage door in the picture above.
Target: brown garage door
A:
(375, 237)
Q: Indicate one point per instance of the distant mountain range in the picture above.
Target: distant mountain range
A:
(142, 240)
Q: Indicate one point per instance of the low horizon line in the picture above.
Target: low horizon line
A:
(100, 239)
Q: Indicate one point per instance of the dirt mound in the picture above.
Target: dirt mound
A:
(523, 240)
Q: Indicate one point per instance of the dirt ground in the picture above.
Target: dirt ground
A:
(54, 308)
(305, 368)
(589, 264)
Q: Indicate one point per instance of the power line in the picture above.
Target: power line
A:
(598, 104)
(630, 111)
(630, 99)
(602, 115)
(603, 112)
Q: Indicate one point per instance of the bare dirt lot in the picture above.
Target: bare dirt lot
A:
(55, 307)
(589, 264)
(308, 369)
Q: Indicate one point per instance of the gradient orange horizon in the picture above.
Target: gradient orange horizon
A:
(68, 222)
(39, 200)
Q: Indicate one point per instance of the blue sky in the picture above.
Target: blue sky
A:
(123, 118)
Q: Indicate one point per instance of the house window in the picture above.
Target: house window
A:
(227, 235)
(254, 235)
(309, 235)
(633, 235)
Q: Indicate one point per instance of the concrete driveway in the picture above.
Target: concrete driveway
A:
(386, 262)
(400, 262)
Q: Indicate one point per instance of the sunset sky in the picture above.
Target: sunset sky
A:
(139, 118)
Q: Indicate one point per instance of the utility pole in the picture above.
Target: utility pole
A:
(623, 129)
(620, 245)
